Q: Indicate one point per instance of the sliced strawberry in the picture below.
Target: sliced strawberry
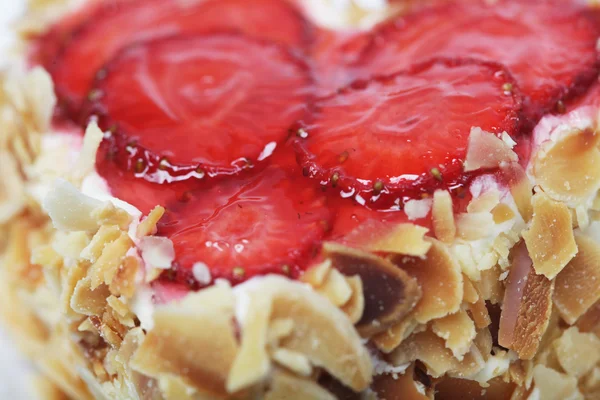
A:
(202, 105)
(334, 57)
(111, 29)
(548, 46)
(590, 98)
(268, 223)
(408, 132)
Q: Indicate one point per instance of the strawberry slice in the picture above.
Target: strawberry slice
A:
(245, 226)
(112, 28)
(548, 46)
(408, 132)
(203, 105)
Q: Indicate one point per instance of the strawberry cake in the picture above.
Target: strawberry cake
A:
(303, 199)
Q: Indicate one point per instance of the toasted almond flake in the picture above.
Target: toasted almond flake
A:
(479, 313)
(490, 287)
(47, 257)
(466, 389)
(123, 283)
(70, 244)
(398, 386)
(390, 339)
(152, 274)
(486, 150)
(577, 352)
(148, 225)
(527, 307)
(87, 326)
(74, 275)
(252, 363)
(553, 166)
(106, 234)
(389, 293)
(69, 209)
(317, 274)
(32, 95)
(109, 214)
(470, 293)
(458, 330)
(521, 188)
(87, 157)
(502, 213)
(431, 351)
(554, 385)
(485, 202)
(443, 216)
(181, 344)
(407, 239)
(440, 279)
(417, 209)
(293, 361)
(321, 331)
(106, 266)
(336, 289)
(278, 329)
(157, 251)
(355, 307)
(474, 226)
(578, 284)
(12, 188)
(88, 301)
(289, 387)
(549, 239)
(118, 305)
(174, 388)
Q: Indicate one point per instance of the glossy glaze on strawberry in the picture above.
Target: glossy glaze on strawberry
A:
(548, 46)
(264, 142)
(201, 106)
(392, 135)
(113, 27)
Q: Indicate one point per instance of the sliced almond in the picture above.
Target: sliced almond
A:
(293, 361)
(106, 234)
(443, 216)
(479, 313)
(252, 363)
(490, 287)
(87, 300)
(577, 352)
(406, 239)
(69, 209)
(440, 279)
(590, 321)
(521, 188)
(321, 331)
(577, 286)
(336, 288)
(553, 166)
(458, 330)
(486, 150)
(466, 389)
(317, 274)
(355, 307)
(106, 266)
(108, 214)
(553, 385)
(502, 213)
(148, 225)
(289, 387)
(432, 352)
(390, 339)
(389, 293)
(193, 339)
(123, 283)
(550, 240)
(485, 202)
(474, 226)
(527, 306)
(399, 387)
(86, 161)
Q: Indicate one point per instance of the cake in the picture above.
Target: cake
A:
(271, 199)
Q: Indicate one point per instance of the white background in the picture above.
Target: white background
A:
(15, 372)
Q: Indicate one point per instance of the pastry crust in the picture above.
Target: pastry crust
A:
(409, 313)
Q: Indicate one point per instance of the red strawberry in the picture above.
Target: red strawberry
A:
(548, 46)
(112, 28)
(406, 132)
(249, 225)
(590, 98)
(201, 106)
